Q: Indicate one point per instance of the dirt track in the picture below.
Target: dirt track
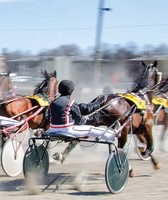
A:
(89, 163)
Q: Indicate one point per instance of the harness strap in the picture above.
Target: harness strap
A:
(101, 108)
(155, 114)
(34, 114)
(24, 121)
(144, 94)
(24, 112)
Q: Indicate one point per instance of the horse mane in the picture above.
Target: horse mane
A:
(43, 86)
(162, 87)
(141, 81)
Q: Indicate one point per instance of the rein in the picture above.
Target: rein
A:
(22, 122)
(152, 89)
(132, 110)
(101, 108)
(26, 111)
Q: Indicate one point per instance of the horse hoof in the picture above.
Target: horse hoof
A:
(131, 173)
(141, 150)
(142, 147)
(157, 166)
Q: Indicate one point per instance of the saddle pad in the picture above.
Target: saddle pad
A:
(140, 104)
(160, 101)
(40, 99)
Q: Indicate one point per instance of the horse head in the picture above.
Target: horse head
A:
(6, 86)
(147, 79)
(49, 86)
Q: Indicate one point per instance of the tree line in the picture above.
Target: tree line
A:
(108, 51)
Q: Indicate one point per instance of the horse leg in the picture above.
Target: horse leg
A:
(142, 148)
(3, 139)
(163, 133)
(162, 137)
(121, 143)
(72, 144)
(150, 147)
(63, 155)
(147, 140)
(123, 138)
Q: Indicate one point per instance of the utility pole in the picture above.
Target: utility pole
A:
(97, 60)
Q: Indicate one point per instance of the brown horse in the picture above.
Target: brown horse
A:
(35, 107)
(118, 106)
(160, 107)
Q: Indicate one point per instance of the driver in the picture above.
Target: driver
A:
(66, 118)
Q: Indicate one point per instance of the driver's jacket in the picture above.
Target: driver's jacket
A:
(65, 112)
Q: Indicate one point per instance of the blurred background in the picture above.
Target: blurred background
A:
(117, 69)
(105, 64)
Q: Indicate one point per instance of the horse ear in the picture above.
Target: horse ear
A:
(155, 63)
(46, 74)
(55, 73)
(143, 63)
(8, 73)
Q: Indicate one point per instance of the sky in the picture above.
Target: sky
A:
(36, 25)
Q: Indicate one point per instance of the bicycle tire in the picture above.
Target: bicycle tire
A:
(115, 180)
(36, 162)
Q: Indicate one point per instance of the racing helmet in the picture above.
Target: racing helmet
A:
(66, 87)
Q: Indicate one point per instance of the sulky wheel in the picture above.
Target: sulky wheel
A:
(36, 162)
(117, 171)
(12, 155)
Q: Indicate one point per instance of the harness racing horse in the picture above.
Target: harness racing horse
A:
(160, 107)
(118, 106)
(6, 87)
(35, 107)
(111, 108)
